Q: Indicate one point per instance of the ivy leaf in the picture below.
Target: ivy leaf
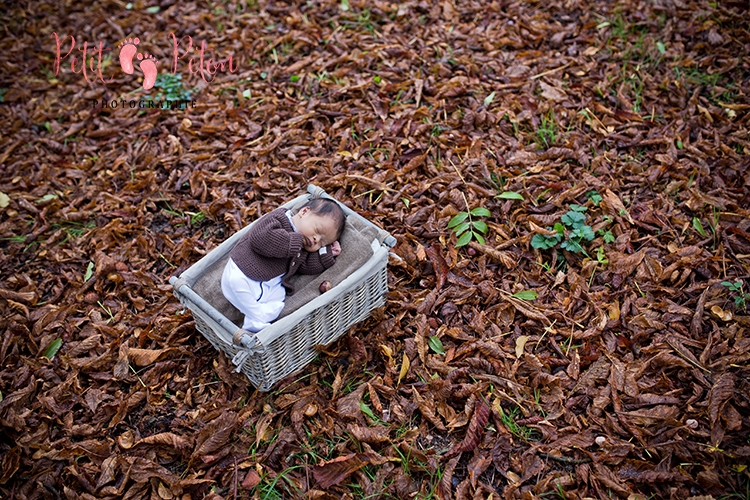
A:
(577, 208)
(526, 295)
(586, 233)
(571, 246)
(542, 242)
(436, 344)
(573, 219)
(595, 197)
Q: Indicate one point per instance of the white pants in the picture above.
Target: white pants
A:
(260, 301)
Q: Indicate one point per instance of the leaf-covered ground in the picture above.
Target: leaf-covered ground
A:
(595, 345)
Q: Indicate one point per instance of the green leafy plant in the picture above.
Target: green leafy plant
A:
(545, 242)
(607, 236)
(698, 226)
(466, 228)
(575, 221)
(595, 197)
(170, 87)
(278, 486)
(509, 420)
(569, 234)
(601, 257)
(740, 297)
(510, 195)
(546, 134)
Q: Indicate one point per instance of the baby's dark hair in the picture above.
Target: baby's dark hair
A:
(328, 208)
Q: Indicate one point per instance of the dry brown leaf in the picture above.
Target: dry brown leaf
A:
(474, 432)
(252, 479)
(553, 93)
(334, 471)
(349, 405)
(405, 364)
(372, 435)
(167, 438)
(144, 357)
(614, 205)
(520, 344)
(216, 434)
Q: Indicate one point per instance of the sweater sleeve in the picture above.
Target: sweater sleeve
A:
(315, 263)
(268, 237)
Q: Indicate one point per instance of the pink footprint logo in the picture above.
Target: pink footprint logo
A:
(127, 51)
(148, 66)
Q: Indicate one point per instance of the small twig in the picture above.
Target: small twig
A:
(460, 177)
(207, 383)
(566, 460)
(550, 71)
(235, 479)
(136, 374)
(494, 252)
(674, 345)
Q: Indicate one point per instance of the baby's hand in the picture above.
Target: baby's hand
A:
(335, 248)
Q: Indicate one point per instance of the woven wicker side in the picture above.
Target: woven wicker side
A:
(292, 351)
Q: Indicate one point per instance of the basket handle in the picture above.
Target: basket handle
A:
(315, 191)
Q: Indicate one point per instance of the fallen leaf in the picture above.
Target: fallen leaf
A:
(520, 344)
(332, 472)
(405, 364)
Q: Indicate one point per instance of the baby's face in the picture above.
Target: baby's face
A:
(318, 231)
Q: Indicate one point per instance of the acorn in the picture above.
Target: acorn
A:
(471, 252)
(325, 286)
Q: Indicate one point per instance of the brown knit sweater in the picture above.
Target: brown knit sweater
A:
(272, 248)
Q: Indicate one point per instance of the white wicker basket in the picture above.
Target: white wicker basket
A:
(290, 342)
